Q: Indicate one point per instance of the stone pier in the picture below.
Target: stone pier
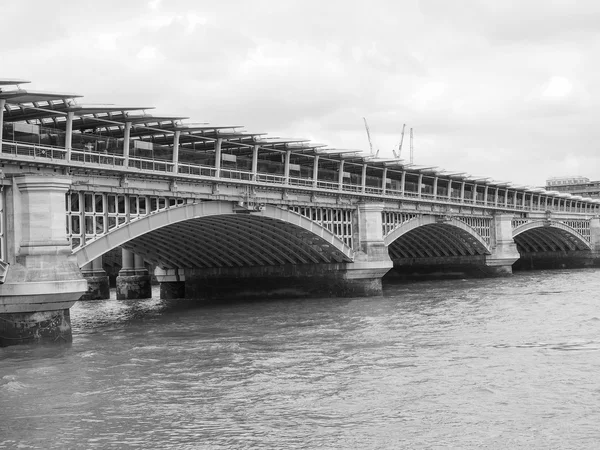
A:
(43, 280)
(98, 283)
(133, 281)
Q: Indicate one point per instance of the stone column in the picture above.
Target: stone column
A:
(98, 284)
(133, 281)
(43, 279)
(504, 250)
(372, 260)
(172, 283)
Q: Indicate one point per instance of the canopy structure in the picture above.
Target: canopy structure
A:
(58, 118)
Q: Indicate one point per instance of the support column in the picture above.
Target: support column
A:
(315, 177)
(69, 135)
(133, 281)
(504, 250)
(2, 104)
(286, 167)
(43, 280)
(474, 194)
(435, 187)
(126, 143)
(176, 152)
(172, 283)
(254, 162)
(218, 157)
(384, 181)
(341, 175)
(595, 236)
(486, 191)
(363, 179)
(97, 279)
(403, 183)
(462, 192)
(372, 260)
(420, 185)
(449, 189)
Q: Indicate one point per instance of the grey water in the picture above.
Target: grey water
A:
(487, 363)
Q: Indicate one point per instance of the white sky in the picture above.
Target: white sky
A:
(505, 89)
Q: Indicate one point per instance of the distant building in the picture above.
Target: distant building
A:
(574, 185)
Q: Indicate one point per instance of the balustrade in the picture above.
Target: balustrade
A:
(354, 185)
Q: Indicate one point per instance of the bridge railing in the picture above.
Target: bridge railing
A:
(33, 151)
(97, 158)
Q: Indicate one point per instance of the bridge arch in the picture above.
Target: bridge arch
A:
(426, 236)
(218, 234)
(548, 236)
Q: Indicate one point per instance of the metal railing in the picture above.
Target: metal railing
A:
(135, 164)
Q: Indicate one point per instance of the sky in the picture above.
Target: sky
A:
(501, 89)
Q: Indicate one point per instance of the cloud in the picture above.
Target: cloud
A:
(500, 89)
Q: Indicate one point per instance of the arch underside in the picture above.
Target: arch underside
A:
(435, 240)
(548, 239)
(232, 240)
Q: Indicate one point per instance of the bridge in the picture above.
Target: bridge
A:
(220, 212)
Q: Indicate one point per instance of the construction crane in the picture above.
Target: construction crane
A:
(369, 137)
(397, 155)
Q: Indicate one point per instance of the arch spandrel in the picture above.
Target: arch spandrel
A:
(555, 235)
(278, 234)
(462, 232)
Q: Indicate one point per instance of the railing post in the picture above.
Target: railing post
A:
(218, 157)
(69, 135)
(176, 152)
(316, 171)
(341, 175)
(286, 167)
(254, 162)
(2, 104)
(126, 143)
(384, 181)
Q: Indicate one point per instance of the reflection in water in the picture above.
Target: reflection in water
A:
(496, 363)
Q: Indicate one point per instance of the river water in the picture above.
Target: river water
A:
(493, 363)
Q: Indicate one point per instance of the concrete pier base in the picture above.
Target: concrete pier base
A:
(35, 328)
(172, 283)
(558, 260)
(98, 282)
(172, 290)
(98, 288)
(289, 281)
(132, 287)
